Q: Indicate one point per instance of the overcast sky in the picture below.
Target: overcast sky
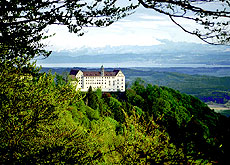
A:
(143, 28)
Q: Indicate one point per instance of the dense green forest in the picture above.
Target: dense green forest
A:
(44, 120)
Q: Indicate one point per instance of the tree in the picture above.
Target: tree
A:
(23, 24)
(212, 17)
(139, 86)
(91, 99)
(145, 143)
(28, 106)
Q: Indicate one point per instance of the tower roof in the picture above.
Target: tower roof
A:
(74, 71)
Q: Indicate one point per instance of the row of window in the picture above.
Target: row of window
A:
(80, 83)
(100, 83)
(97, 79)
(94, 77)
(105, 87)
(95, 83)
(100, 78)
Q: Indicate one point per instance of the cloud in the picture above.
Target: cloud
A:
(142, 29)
(151, 17)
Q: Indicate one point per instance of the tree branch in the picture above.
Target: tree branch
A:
(193, 33)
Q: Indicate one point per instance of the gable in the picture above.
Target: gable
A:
(120, 74)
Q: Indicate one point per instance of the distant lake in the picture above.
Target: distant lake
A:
(124, 65)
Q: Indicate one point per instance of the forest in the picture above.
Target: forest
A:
(44, 120)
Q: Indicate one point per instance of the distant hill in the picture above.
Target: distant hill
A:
(167, 53)
(193, 81)
(206, 88)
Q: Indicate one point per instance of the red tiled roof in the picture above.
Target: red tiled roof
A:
(95, 73)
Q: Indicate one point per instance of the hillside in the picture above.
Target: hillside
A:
(44, 120)
(206, 88)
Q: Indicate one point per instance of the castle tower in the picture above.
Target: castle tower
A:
(102, 71)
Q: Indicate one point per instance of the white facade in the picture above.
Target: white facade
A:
(107, 81)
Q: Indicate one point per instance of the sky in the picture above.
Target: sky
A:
(143, 28)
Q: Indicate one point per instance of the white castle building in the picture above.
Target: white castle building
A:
(112, 81)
